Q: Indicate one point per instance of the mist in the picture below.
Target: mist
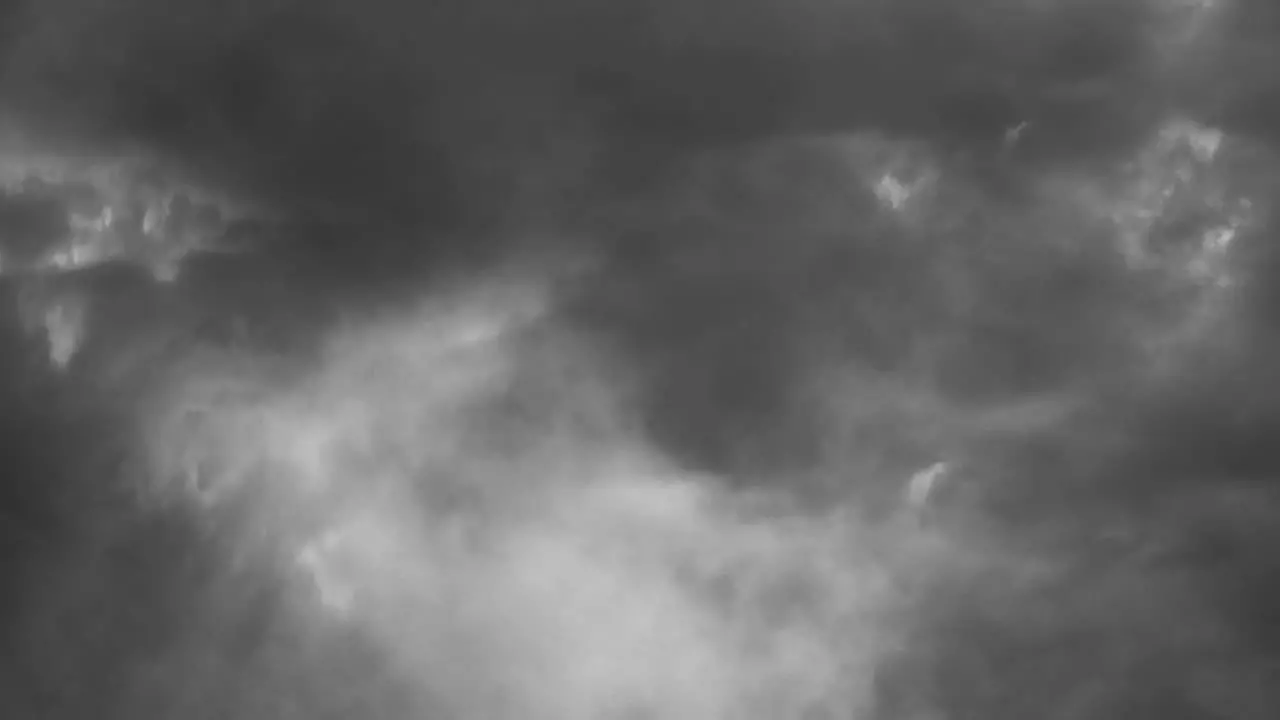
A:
(637, 360)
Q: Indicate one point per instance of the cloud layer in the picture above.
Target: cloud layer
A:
(771, 262)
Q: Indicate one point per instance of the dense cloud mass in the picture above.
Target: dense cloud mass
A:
(590, 360)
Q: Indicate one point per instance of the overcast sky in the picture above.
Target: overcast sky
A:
(823, 245)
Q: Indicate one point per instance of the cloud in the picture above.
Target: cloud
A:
(805, 262)
(542, 569)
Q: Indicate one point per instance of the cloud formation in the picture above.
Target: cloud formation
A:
(801, 252)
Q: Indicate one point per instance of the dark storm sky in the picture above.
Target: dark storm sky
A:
(407, 137)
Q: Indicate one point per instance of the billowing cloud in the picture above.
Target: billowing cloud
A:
(901, 359)
(537, 566)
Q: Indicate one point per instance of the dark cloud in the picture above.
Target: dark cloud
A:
(720, 159)
(393, 107)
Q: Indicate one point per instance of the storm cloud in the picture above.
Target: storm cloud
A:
(767, 262)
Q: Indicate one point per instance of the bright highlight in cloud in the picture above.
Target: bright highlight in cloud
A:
(511, 550)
